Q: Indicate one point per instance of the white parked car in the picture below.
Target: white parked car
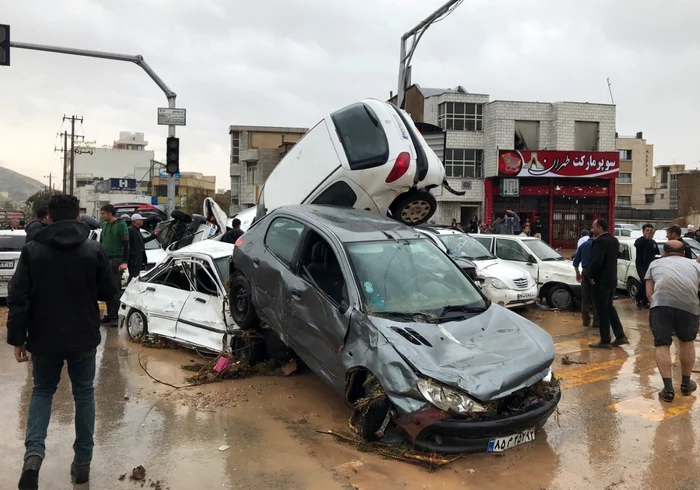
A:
(183, 298)
(11, 243)
(503, 283)
(554, 273)
(368, 155)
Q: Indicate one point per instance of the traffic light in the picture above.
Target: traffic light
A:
(172, 155)
(4, 45)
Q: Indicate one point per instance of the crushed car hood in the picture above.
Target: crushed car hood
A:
(489, 355)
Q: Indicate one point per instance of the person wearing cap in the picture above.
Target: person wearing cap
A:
(137, 246)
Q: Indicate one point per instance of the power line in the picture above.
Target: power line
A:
(73, 136)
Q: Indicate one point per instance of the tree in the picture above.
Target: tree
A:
(37, 200)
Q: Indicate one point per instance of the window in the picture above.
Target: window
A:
(527, 135)
(624, 252)
(511, 250)
(585, 136)
(485, 241)
(235, 147)
(339, 194)
(320, 267)
(174, 276)
(661, 196)
(510, 187)
(251, 170)
(461, 162)
(203, 277)
(235, 183)
(625, 154)
(282, 238)
(162, 190)
(462, 245)
(625, 178)
(543, 251)
(623, 201)
(361, 133)
(12, 243)
(649, 199)
(461, 116)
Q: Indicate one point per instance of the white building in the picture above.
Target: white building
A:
(92, 201)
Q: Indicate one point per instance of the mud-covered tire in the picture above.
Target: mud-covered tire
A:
(249, 346)
(242, 308)
(371, 417)
(413, 207)
(560, 297)
(633, 287)
(136, 317)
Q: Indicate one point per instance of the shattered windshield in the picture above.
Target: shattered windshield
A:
(461, 245)
(543, 251)
(409, 277)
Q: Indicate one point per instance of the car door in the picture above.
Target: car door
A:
(623, 265)
(201, 321)
(316, 322)
(513, 252)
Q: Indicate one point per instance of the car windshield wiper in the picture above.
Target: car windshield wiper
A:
(461, 309)
(482, 257)
(405, 315)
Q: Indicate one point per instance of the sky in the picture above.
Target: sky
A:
(290, 62)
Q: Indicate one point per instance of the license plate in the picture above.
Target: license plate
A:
(7, 264)
(526, 296)
(498, 444)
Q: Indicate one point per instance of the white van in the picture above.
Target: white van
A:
(368, 155)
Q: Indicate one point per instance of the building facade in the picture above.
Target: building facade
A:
(189, 187)
(255, 151)
(636, 172)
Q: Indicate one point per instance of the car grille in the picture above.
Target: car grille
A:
(521, 283)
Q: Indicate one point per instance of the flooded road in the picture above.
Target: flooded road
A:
(612, 431)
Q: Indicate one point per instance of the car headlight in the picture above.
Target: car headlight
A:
(548, 378)
(447, 399)
(496, 283)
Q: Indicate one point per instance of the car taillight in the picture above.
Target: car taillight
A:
(403, 161)
(239, 242)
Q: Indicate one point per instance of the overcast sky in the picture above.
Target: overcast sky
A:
(288, 62)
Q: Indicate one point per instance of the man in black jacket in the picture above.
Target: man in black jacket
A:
(234, 233)
(647, 250)
(603, 273)
(674, 233)
(137, 247)
(36, 224)
(53, 314)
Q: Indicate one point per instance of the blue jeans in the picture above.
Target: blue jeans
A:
(46, 370)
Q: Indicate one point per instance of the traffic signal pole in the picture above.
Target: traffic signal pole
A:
(137, 60)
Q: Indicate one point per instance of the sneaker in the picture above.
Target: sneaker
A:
(30, 474)
(105, 320)
(640, 306)
(666, 396)
(601, 345)
(621, 341)
(80, 473)
(689, 388)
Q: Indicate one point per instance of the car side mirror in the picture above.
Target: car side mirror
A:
(343, 308)
(531, 259)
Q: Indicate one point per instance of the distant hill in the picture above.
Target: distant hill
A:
(18, 186)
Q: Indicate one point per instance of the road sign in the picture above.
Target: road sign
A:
(172, 117)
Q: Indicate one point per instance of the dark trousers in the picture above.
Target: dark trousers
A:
(642, 293)
(587, 304)
(607, 314)
(113, 304)
(134, 272)
(46, 370)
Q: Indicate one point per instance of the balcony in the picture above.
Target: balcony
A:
(249, 156)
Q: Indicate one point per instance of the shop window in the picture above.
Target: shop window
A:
(625, 154)
(527, 135)
(461, 116)
(649, 199)
(460, 162)
(623, 201)
(510, 187)
(625, 178)
(586, 136)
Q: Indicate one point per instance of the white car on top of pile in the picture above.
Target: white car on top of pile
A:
(503, 283)
(11, 243)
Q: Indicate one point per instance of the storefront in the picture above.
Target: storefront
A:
(567, 190)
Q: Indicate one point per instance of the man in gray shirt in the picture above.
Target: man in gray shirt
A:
(509, 224)
(672, 287)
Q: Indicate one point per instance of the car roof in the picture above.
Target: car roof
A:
(440, 230)
(493, 235)
(13, 232)
(213, 248)
(349, 224)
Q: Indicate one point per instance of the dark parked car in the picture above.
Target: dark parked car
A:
(396, 328)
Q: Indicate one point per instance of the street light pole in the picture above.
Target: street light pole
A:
(137, 60)
(416, 33)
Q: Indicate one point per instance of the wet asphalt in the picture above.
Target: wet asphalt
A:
(611, 432)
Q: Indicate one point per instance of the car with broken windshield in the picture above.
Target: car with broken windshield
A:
(389, 321)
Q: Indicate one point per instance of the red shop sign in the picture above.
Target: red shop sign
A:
(546, 163)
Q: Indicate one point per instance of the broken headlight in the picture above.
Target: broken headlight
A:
(447, 398)
(548, 377)
(496, 283)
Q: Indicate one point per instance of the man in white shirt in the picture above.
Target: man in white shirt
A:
(583, 239)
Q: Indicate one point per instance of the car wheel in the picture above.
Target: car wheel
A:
(242, 308)
(249, 346)
(633, 287)
(136, 325)
(560, 297)
(373, 409)
(414, 207)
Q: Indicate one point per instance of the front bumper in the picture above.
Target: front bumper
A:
(452, 436)
(510, 298)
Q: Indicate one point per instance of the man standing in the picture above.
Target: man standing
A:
(646, 249)
(583, 239)
(674, 233)
(14, 224)
(115, 239)
(234, 233)
(137, 247)
(525, 231)
(53, 313)
(583, 258)
(672, 285)
(507, 224)
(36, 224)
(603, 273)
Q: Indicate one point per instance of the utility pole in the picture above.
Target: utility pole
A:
(71, 175)
(49, 177)
(65, 159)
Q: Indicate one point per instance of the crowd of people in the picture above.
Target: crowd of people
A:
(508, 224)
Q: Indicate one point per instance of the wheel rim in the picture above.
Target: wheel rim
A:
(415, 210)
(136, 325)
(633, 289)
(561, 299)
(241, 301)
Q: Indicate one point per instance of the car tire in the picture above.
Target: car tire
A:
(249, 346)
(371, 416)
(633, 287)
(242, 308)
(136, 317)
(560, 297)
(413, 207)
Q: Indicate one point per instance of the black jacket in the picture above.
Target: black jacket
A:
(32, 228)
(137, 247)
(647, 250)
(53, 295)
(603, 266)
(232, 235)
(686, 249)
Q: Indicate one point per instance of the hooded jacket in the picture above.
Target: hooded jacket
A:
(53, 295)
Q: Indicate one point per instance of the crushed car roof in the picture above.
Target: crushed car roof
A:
(351, 225)
(214, 248)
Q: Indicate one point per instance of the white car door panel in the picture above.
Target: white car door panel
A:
(201, 321)
(162, 306)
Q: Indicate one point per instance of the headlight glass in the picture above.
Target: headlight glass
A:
(548, 378)
(448, 399)
(496, 283)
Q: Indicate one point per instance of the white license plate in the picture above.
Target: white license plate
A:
(498, 444)
(7, 264)
(526, 296)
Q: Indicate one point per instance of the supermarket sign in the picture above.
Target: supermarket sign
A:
(546, 163)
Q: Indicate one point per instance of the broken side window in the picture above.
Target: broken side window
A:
(174, 277)
(203, 277)
(319, 265)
